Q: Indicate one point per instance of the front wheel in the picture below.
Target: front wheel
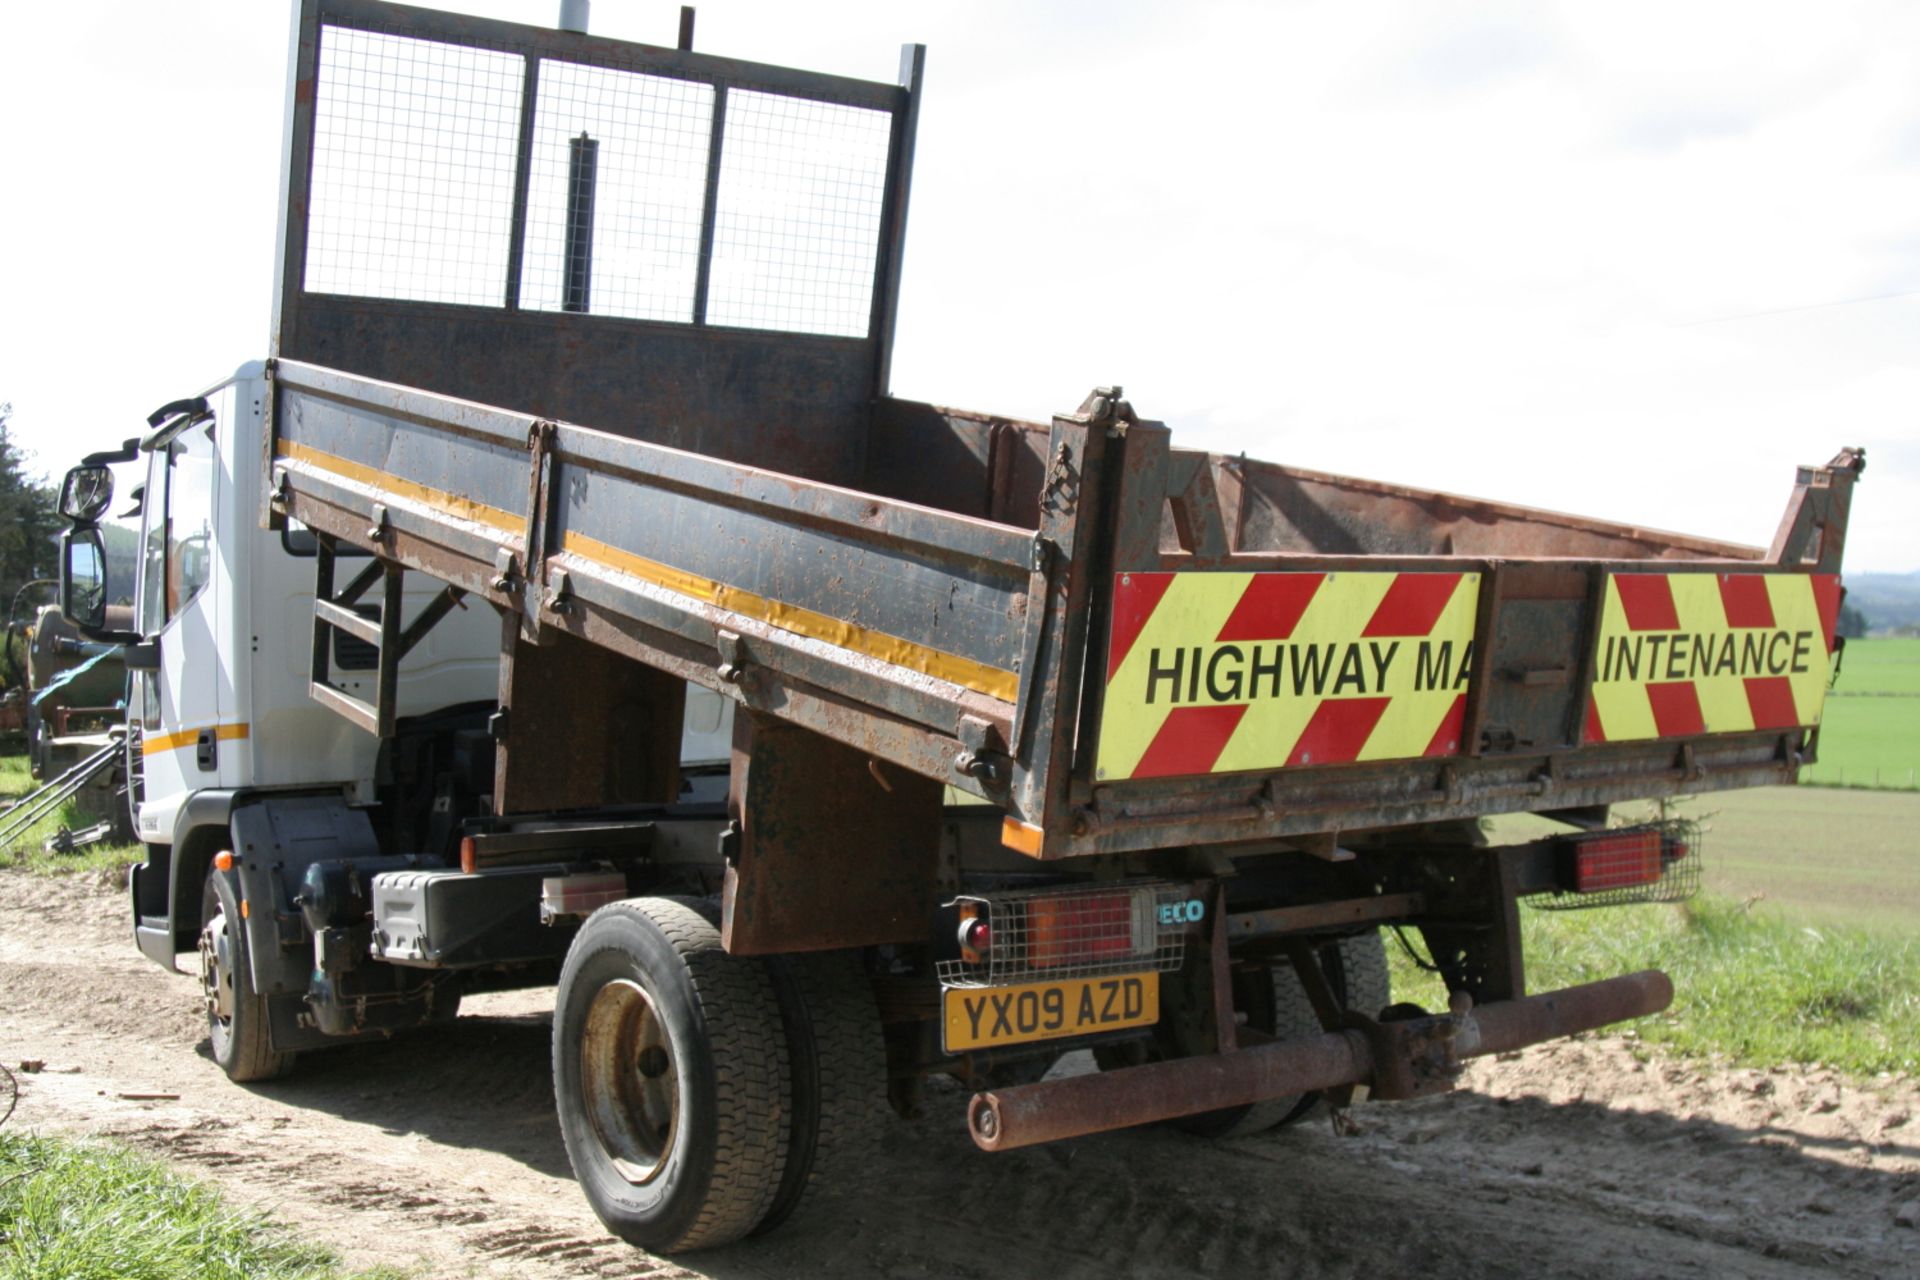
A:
(236, 1013)
(670, 1077)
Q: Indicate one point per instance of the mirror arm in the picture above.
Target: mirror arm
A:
(193, 405)
(127, 452)
(141, 655)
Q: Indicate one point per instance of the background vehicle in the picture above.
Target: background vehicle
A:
(583, 405)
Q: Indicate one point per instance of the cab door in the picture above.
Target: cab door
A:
(177, 705)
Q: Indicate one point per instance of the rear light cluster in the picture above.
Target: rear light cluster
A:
(1658, 862)
(1072, 932)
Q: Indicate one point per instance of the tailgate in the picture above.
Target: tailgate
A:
(1263, 656)
(1220, 672)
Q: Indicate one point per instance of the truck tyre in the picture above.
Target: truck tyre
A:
(236, 1014)
(670, 1077)
(1273, 1001)
(1357, 969)
(838, 1059)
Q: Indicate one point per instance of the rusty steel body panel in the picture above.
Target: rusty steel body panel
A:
(751, 511)
(833, 849)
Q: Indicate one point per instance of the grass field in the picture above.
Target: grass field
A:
(80, 1211)
(1757, 989)
(1870, 731)
(26, 850)
(1803, 947)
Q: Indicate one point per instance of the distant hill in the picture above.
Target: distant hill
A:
(1888, 600)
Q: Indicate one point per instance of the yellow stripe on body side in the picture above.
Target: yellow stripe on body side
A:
(451, 503)
(965, 672)
(188, 737)
(951, 667)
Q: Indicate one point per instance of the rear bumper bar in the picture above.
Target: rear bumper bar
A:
(1398, 1059)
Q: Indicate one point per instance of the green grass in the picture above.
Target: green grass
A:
(1870, 730)
(28, 850)
(1761, 990)
(1802, 948)
(73, 1211)
(1880, 664)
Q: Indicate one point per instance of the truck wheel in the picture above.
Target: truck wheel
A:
(670, 1077)
(838, 1057)
(1363, 967)
(1272, 1000)
(1357, 969)
(236, 1013)
(1261, 996)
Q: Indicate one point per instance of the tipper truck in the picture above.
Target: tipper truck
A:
(566, 602)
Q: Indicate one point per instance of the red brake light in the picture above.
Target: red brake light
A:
(976, 935)
(1079, 929)
(1616, 860)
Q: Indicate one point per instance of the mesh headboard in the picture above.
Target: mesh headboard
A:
(690, 250)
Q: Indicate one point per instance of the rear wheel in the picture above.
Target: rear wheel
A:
(670, 1077)
(1356, 968)
(236, 1014)
(838, 1057)
(1273, 1001)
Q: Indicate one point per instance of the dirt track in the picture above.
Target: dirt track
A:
(439, 1153)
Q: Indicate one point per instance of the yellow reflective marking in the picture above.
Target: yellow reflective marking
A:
(188, 737)
(439, 499)
(1338, 614)
(1280, 706)
(1192, 612)
(965, 672)
(1738, 653)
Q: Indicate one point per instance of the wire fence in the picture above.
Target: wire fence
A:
(1872, 777)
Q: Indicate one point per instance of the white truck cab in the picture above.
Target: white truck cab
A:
(221, 659)
(228, 604)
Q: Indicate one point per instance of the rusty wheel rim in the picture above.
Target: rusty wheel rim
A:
(629, 1080)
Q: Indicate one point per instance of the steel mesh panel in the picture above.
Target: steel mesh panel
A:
(797, 226)
(1044, 934)
(1679, 877)
(650, 189)
(413, 168)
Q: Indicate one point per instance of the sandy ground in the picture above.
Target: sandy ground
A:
(439, 1153)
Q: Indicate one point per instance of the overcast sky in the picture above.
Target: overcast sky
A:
(1631, 260)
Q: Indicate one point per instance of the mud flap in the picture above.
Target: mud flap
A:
(274, 842)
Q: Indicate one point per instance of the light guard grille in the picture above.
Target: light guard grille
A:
(1076, 932)
(1618, 857)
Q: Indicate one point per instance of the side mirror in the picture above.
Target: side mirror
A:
(83, 569)
(84, 496)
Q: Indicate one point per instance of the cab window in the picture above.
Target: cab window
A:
(177, 559)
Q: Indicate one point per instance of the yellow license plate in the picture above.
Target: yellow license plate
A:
(989, 1017)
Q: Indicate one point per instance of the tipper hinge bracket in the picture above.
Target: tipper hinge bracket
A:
(983, 755)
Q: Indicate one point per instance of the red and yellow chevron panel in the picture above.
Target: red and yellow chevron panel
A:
(1219, 672)
(1690, 653)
